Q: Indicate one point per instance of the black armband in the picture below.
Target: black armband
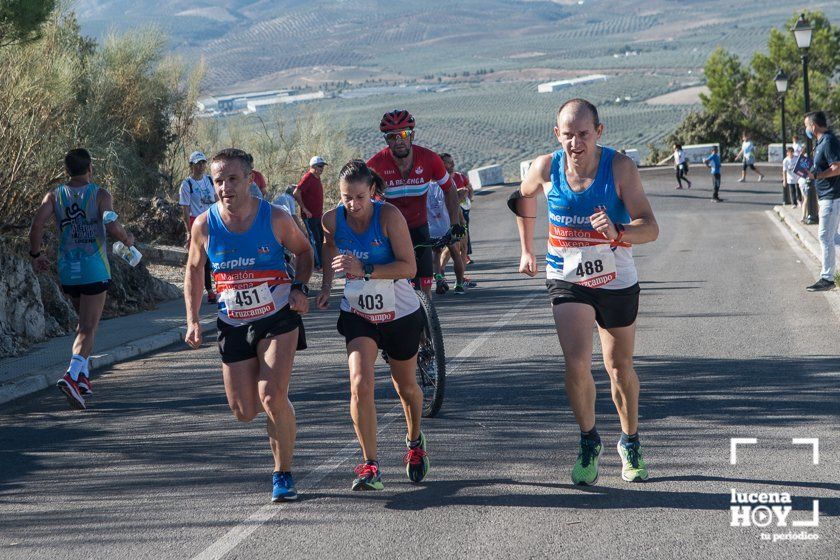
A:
(513, 203)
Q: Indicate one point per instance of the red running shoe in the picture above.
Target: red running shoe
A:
(85, 388)
(416, 460)
(71, 390)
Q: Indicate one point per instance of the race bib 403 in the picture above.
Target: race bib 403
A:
(374, 300)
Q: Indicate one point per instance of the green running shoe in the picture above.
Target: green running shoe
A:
(585, 471)
(367, 478)
(633, 467)
(416, 460)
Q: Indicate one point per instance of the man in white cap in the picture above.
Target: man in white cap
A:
(197, 195)
(309, 194)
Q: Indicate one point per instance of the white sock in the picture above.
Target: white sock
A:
(86, 367)
(77, 362)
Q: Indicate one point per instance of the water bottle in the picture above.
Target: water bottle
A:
(129, 254)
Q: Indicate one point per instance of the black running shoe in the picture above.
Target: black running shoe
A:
(822, 285)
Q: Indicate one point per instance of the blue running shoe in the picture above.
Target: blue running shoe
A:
(284, 488)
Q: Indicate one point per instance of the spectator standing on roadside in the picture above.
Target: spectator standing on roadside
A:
(825, 173)
(789, 178)
(797, 146)
(197, 194)
(747, 152)
(804, 193)
(712, 161)
(309, 194)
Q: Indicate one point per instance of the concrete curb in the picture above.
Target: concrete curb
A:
(808, 240)
(163, 254)
(37, 382)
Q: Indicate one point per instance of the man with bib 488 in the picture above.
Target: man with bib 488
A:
(597, 211)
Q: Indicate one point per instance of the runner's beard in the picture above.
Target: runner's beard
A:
(400, 151)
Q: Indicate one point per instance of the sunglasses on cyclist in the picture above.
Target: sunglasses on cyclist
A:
(404, 134)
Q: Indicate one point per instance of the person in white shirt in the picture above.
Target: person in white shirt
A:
(286, 201)
(798, 146)
(196, 196)
(747, 153)
(789, 178)
(681, 166)
(439, 226)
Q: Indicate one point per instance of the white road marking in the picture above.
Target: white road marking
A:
(239, 533)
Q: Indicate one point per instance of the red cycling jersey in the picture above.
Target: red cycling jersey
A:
(409, 193)
(461, 180)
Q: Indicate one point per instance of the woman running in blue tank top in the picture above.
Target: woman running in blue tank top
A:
(597, 211)
(370, 244)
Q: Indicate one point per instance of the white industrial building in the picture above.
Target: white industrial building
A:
(259, 105)
(238, 101)
(549, 87)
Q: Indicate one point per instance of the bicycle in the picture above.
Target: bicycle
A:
(431, 359)
(431, 356)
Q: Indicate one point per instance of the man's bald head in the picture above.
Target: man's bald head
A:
(577, 105)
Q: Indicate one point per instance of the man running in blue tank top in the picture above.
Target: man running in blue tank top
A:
(597, 211)
(84, 214)
(370, 243)
(260, 304)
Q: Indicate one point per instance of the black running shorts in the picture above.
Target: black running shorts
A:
(400, 338)
(423, 255)
(613, 308)
(240, 343)
(78, 290)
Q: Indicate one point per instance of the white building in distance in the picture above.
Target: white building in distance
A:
(237, 101)
(550, 87)
(259, 105)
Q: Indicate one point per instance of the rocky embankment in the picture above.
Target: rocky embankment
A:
(33, 307)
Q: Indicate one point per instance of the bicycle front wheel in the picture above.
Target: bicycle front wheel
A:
(431, 359)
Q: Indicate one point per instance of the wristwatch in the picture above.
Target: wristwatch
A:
(302, 287)
(620, 229)
(35, 255)
(368, 268)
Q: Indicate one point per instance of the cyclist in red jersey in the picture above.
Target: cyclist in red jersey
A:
(407, 170)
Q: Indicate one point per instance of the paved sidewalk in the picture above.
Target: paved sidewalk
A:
(117, 339)
(807, 235)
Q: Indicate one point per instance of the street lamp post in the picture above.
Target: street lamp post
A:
(802, 32)
(781, 81)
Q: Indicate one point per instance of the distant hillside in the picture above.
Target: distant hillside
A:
(276, 43)
(486, 56)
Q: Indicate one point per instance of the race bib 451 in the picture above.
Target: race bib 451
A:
(249, 303)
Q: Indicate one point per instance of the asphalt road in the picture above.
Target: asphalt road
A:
(729, 345)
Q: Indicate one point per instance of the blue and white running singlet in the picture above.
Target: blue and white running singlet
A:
(249, 268)
(378, 301)
(576, 252)
(82, 254)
